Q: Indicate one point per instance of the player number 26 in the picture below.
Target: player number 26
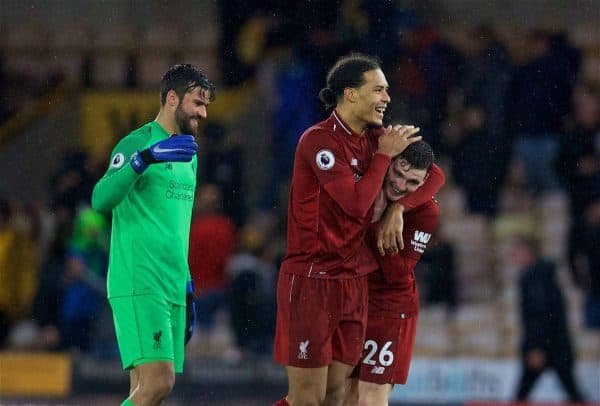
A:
(386, 357)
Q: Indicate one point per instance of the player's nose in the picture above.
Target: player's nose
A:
(202, 111)
(386, 96)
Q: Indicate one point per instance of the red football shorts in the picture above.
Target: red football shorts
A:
(388, 349)
(320, 320)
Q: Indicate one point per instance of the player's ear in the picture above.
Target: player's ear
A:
(172, 98)
(350, 94)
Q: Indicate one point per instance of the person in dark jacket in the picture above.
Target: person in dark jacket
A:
(545, 335)
(578, 165)
(538, 100)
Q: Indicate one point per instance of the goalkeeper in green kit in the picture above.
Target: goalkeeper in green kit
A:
(149, 187)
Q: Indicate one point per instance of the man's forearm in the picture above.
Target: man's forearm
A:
(112, 189)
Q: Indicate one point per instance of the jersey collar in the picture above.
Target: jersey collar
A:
(340, 125)
(156, 127)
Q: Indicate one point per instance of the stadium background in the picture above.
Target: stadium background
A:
(77, 76)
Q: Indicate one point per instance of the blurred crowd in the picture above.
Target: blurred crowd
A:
(511, 116)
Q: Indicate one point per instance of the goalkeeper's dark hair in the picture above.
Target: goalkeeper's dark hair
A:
(183, 78)
(419, 155)
(347, 72)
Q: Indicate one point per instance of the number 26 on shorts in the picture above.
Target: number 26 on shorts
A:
(386, 357)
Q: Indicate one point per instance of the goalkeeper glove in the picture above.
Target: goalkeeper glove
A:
(177, 148)
(190, 311)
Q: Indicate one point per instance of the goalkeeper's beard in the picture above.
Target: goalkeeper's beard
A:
(184, 122)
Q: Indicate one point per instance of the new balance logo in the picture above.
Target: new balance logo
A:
(421, 236)
(378, 370)
(303, 354)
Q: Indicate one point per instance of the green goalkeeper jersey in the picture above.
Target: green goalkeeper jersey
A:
(151, 219)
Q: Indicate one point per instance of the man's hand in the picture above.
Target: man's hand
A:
(389, 236)
(190, 311)
(395, 139)
(177, 148)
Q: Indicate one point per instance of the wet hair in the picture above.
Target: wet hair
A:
(347, 72)
(183, 78)
(419, 155)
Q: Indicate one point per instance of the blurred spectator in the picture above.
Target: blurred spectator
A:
(368, 27)
(440, 273)
(352, 26)
(223, 167)
(4, 112)
(578, 162)
(253, 303)
(7, 267)
(48, 298)
(293, 80)
(84, 279)
(212, 239)
(587, 268)
(18, 264)
(406, 79)
(439, 67)
(49, 295)
(486, 81)
(382, 29)
(474, 166)
(567, 57)
(545, 341)
(72, 185)
(234, 15)
(486, 85)
(538, 100)
(578, 165)
(319, 33)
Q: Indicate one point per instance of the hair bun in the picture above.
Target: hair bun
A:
(327, 96)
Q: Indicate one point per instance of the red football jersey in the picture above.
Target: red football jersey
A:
(337, 176)
(212, 240)
(393, 289)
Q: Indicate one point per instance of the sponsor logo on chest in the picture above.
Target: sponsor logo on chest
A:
(420, 240)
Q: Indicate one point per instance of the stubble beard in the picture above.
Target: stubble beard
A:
(183, 121)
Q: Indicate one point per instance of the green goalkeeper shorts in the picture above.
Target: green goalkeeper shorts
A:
(149, 329)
